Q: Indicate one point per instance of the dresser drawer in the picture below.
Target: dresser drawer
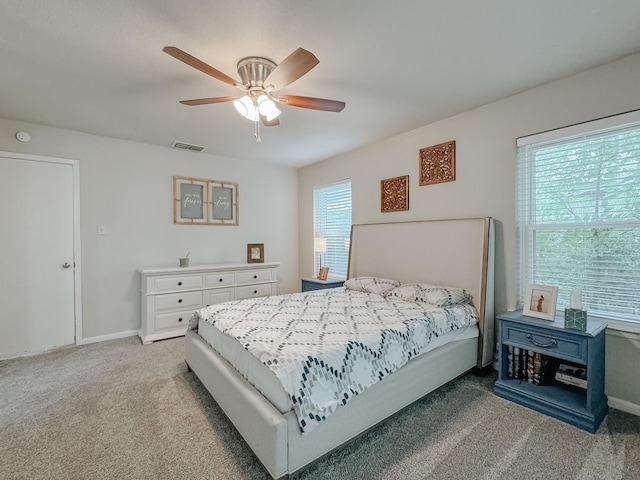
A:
(570, 347)
(253, 276)
(218, 295)
(251, 291)
(173, 320)
(220, 280)
(185, 300)
(181, 282)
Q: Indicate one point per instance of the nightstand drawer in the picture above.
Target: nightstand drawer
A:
(570, 347)
(309, 284)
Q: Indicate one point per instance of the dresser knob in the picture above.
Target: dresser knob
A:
(255, 276)
(255, 291)
(179, 283)
(180, 319)
(179, 300)
(220, 279)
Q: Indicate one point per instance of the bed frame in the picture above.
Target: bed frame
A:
(447, 252)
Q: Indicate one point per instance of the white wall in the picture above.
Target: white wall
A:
(485, 175)
(128, 187)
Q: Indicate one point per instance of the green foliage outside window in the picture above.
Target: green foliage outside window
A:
(579, 219)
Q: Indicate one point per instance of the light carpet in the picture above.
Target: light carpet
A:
(122, 410)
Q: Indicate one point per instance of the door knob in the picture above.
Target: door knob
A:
(65, 265)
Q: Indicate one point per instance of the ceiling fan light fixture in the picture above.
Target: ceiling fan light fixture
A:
(247, 108)
(260, 77)
(267, 108)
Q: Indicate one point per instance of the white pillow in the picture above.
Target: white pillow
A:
(436, 295)
(378, 285)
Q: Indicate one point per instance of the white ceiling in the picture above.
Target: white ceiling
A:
(97, 66)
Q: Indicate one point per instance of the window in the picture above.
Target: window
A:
(578, 215)
(332, 222)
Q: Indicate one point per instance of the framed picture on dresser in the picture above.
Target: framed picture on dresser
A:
(255, 253)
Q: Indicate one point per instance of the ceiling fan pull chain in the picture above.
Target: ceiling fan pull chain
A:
(256, 132)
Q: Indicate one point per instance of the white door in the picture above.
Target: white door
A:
(36, 256)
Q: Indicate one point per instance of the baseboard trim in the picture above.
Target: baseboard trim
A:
(104, 338)
(632, 408)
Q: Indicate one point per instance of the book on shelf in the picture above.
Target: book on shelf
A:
(530, 366)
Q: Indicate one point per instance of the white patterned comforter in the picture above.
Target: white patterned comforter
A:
(327, 346)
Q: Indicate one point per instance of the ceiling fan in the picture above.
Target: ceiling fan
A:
(260, 78)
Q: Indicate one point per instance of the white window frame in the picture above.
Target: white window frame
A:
(524, 216)
(336, 256)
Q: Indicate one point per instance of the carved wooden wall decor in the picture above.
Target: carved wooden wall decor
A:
(394, 193)
(438, 163)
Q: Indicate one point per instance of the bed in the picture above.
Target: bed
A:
(457, 253)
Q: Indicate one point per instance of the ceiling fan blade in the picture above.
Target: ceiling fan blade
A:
(273, 123)
(206, 101)
(200, 65)
(291, 69)
(312, 103)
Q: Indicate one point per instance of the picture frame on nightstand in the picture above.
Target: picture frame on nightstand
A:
(324, 273)
(540, 302)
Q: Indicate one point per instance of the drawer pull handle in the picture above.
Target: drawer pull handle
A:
(220, 279)
(255, 276)
(179, 284)
(180, 319)
(179, 300)
(552, 343)
(255, 291)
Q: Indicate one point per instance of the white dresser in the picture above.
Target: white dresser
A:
(170, 295)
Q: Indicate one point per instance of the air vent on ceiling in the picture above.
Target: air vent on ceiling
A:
(187, 146)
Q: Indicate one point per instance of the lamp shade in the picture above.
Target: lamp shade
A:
(319, 244)
(267, 108)
(246, 108)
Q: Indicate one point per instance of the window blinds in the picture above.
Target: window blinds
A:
(332, 221)
(578, 215)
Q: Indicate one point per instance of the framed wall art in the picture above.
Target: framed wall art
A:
(190, 201)
(255, 253)
(198, 201)
(224, 203)
(438, 163)
(540, 302)
(394, 194)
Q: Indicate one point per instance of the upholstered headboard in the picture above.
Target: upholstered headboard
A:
(458, 253)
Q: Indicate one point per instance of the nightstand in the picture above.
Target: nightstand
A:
(309, 284)
(582, 406)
